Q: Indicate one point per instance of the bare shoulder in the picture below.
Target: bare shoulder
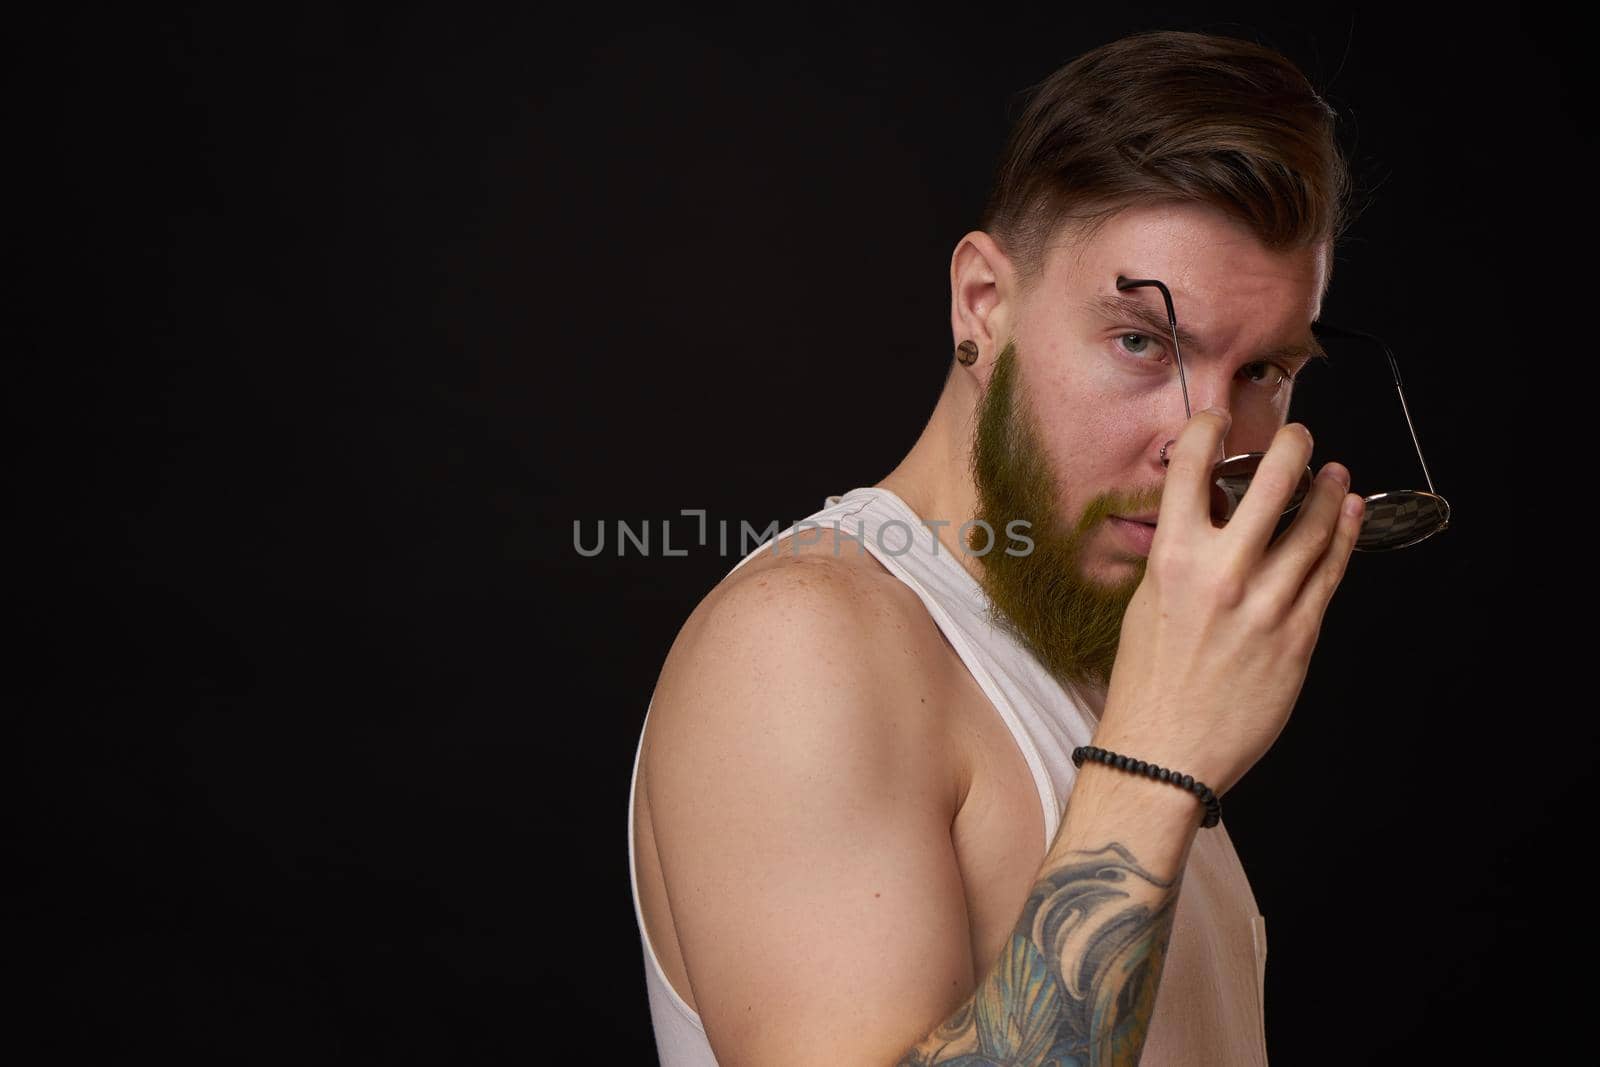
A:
(830, 576)
(820, 623)
(802, 787)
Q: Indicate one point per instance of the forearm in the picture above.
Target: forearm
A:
(1080, 971)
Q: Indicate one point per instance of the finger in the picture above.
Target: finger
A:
(1270, 489)
(1293, 555)
(1186, 495)
(1325, 577)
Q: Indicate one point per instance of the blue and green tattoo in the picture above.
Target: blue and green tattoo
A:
(1076, 985)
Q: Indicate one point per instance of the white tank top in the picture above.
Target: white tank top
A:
(1210, 1005)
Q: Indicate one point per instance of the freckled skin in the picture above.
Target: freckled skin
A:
(1102, 421)
(1101, 413)
(1090, 407)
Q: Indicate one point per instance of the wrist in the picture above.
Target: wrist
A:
(1117, 772)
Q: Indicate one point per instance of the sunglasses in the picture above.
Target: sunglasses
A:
(1396, 519)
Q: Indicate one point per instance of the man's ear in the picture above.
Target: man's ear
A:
(982, 297)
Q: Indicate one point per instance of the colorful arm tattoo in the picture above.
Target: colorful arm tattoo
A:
(1076, 984)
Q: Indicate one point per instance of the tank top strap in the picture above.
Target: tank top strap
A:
(1047, 719)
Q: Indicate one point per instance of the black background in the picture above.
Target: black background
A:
(332, 322)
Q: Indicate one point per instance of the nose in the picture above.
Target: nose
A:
(1222, 450)
(1219, 398)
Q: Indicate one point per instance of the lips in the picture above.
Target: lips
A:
(1148, 520)
(1136, 535)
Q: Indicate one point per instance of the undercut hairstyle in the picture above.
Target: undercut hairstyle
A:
(1170, 117)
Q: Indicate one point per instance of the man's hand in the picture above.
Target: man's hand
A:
(1216, 641)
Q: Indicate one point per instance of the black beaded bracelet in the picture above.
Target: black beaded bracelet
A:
(1201, 791)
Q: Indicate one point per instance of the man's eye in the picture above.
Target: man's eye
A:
(1266, 373)
(1145, 347)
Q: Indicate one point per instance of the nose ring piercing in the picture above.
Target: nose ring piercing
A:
(1164, 454)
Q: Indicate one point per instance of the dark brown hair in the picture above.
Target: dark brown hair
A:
(1170, 116)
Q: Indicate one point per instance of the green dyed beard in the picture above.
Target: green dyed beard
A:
(1069, 621)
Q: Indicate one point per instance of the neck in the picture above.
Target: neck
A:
(935, 477)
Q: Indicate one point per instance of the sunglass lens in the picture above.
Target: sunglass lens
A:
(1401, 518)
(1231, 478)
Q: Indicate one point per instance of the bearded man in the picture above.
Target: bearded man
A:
(862, 829)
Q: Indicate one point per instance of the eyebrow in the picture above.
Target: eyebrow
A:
(1118, 308)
